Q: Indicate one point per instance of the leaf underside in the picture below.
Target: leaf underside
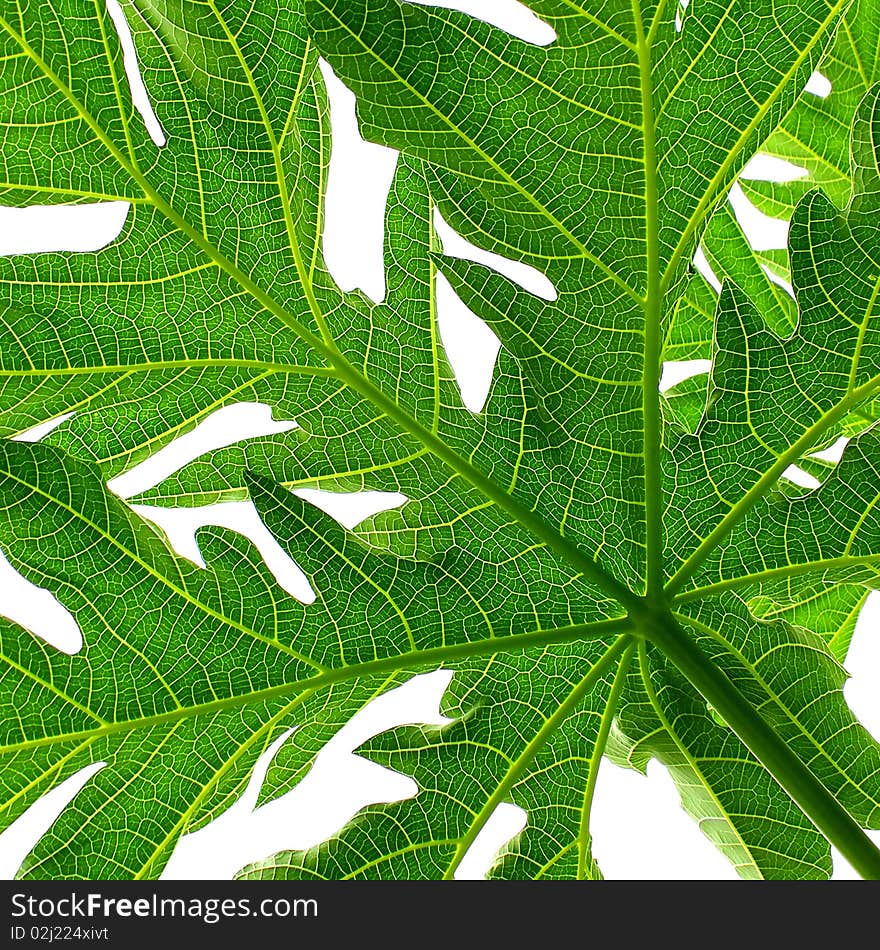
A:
(541, 537)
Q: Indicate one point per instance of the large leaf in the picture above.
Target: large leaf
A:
(191, 661)
(541, 538)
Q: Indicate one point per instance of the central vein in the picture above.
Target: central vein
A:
(653, 340)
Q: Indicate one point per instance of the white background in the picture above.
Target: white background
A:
(639, 828)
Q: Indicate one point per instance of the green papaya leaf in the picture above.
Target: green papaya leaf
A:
(605, 570)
